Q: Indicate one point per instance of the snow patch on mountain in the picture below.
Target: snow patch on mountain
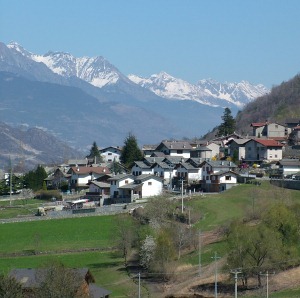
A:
(209, 92)
(166, 86)
(100, 73)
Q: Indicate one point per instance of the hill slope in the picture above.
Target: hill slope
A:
(281, 103)
(30, 146)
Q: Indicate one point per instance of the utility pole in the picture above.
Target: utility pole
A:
(10, 182)
(181, 195)
(235, 272)
(267, 276)
(199, 273)
(139, 285)
(215, 257)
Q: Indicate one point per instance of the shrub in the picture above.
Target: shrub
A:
(47, 195)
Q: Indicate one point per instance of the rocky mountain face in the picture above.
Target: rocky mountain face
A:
(98, 72)
(207, 92)
(27, 147)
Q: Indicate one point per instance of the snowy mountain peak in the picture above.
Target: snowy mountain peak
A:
(96, 70)
(15, 46)
(101, 73)
(206, 91)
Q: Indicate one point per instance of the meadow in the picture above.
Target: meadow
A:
(90, 241)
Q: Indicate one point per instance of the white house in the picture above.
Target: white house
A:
(189, 172)
(164, 170)
(140, 168)
(289, 166)
(126, 188)
(257, 150)
(109, 154)
(175, 148)
(221, 181)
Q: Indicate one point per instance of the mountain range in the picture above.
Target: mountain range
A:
(81, 100)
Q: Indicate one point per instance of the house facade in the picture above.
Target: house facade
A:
(269, 130)
(175, 148)
(127, 188)
(216, 174)
(289, 166)
(109, 154)
(237, 147)
(221, 181)
(258, 150)
(81, 176)
(140, 168)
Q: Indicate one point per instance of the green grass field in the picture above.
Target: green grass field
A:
(55, 237)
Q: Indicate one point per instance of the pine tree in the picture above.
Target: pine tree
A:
(95, 154)
(130, 151)
(227, 127)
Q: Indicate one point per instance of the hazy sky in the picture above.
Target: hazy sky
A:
(226, 40)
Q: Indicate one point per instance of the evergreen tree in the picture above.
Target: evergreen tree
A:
(115, 167)
(95, 154)
(35, 179)
(130, 151)
(227, 127)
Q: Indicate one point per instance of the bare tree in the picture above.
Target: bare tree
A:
(10, 288)
(58, 281)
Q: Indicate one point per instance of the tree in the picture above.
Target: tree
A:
(35, 179)
(147, 251)
(253, 249)
(116, 167)
(95, 154)
(282, 219)
(125, 234)
(10, 288)
(130, 152)
(57, 281)
(228, 125)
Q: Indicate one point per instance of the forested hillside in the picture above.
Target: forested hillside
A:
(281, 103)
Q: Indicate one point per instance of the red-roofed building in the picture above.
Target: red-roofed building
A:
(269, 130)
(257, 150)
(81, 176)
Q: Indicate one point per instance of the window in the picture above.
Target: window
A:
(249, 148)
(126, 181)
(227, 178)
(149, 183)
(207, 177)
(212, 177)
(109, 153)
(179, 151)
(275, 155)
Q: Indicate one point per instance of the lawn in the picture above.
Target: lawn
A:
(17, 208)
(57, 235)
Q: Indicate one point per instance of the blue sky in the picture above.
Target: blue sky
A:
(232, 40)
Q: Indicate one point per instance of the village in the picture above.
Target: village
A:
(216, 165)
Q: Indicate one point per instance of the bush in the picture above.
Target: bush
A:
(47, 195)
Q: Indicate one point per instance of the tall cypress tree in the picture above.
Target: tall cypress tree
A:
(130, 151)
